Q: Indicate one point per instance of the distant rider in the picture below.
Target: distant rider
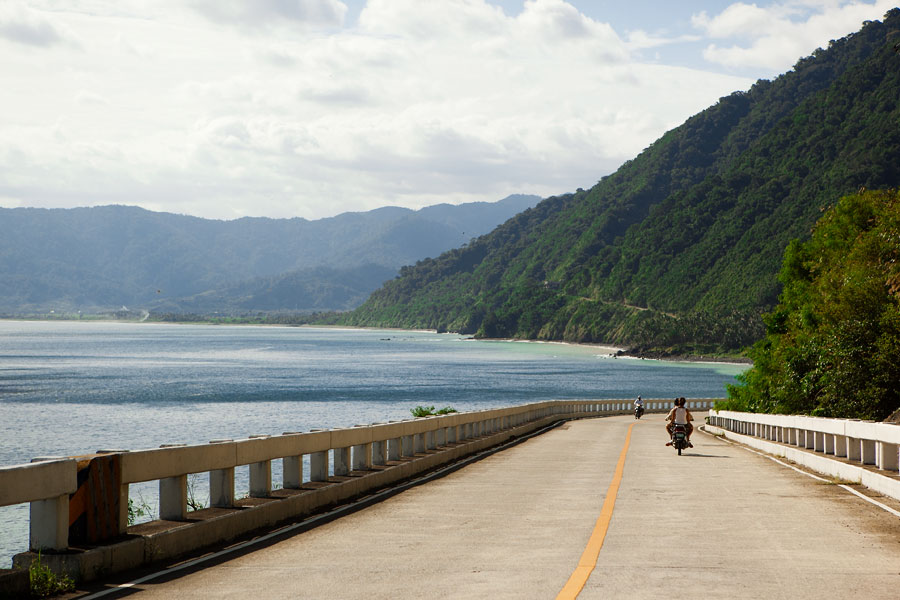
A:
(680, 415)
(639, 404)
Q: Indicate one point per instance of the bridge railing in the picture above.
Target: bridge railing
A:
(45, 484)
(340, 464)
(865, 442)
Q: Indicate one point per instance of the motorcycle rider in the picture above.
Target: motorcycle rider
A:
(680, 415)
(639, 404)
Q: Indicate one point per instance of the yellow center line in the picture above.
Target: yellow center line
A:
(591, 553)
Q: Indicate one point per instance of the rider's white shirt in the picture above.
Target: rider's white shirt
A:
(680, 416)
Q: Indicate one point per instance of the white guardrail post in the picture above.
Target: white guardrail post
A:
(292, 468)
(173, 494)
(221, 483)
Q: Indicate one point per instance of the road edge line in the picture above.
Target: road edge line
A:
(884, 507)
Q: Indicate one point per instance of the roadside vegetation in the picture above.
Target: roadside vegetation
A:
(139, 511)
(833, 341)
(429, 411)
(46, 583)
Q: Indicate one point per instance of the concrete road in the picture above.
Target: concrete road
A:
(717, 522)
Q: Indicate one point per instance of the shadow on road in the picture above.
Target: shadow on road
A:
(698, 455)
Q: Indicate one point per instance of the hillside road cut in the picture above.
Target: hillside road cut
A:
(718, 522)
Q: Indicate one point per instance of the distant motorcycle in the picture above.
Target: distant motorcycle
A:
(679, 438)
(638, 412)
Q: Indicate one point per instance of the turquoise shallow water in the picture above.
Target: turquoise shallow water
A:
(73, 387)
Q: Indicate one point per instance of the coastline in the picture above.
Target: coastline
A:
(693, 358)
(625, 353)
(611, 350)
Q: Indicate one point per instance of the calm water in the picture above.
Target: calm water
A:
(69, 387)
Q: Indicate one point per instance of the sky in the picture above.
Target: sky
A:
(310, 108)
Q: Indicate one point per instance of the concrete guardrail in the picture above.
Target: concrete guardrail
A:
(343, 464)
(840, 448)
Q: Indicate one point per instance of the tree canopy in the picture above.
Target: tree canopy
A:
(833, 342)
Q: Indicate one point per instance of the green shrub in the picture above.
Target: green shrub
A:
(45, 583)
(422, 411)
(429, 411)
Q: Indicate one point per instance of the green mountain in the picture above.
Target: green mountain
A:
(104, 257)
(680, 247)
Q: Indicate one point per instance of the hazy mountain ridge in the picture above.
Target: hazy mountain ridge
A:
(109, 256)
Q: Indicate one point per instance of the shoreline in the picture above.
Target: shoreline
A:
(612, 351)
(620, 352)
(695, 358)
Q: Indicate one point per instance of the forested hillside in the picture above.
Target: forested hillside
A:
(104, 257)
(678, 249)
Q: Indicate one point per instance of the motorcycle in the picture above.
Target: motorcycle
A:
(638, 412)
(679, 438)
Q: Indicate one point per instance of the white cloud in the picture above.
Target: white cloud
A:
(557, 20)
(447, 19)
(420, 103)
(89, 98)
(20, 24)
(740, 20)
(640, 39)
(776, 36)
(262, 14)
(11, 202)
(286, 112)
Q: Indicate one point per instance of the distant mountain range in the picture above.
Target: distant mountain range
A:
(103, 258)
(680, 248)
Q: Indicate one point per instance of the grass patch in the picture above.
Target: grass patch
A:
(46, 583)
(839, 481)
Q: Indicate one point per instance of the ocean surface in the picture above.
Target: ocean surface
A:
(72, 387)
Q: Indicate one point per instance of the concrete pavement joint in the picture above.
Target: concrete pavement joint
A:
(784, 464)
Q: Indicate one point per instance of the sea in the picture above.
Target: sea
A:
(75, 387)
